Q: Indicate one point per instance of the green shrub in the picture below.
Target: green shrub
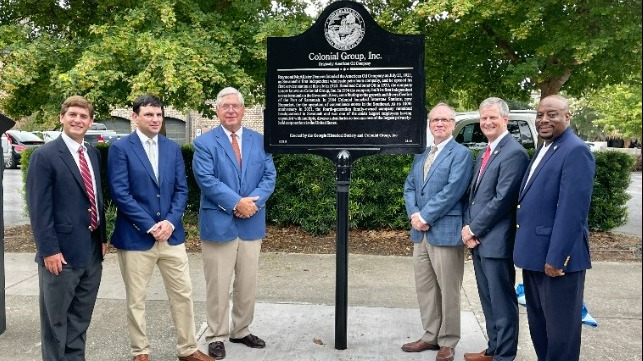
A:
(609, 199)
(305, 193)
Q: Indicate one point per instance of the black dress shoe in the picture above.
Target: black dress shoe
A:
(250, 341)
(216, 350)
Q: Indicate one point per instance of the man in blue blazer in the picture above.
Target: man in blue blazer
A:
(552, 235)
(148, 185)
(433, 195)
(68, 222)
(489, 230)
(236, 177)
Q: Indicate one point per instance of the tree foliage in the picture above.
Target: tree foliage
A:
(110, 51)
(510, 48)
(187, 50)
(618, 109)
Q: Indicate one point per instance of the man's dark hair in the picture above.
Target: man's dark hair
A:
(146, 100)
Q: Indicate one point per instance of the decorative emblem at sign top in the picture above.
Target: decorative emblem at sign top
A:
(344, 29)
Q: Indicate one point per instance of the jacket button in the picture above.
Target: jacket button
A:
(158, 214)
(518, 206)
(158, 196)
(474, 202)
(517, 226)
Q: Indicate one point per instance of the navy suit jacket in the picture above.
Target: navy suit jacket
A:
(223, 184)
(59, 206)
(553, 207)
(491, 210)
(141, 200)
(439, 198)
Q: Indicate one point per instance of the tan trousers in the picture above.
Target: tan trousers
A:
(438, 280)
(136, 268)
(222, 261)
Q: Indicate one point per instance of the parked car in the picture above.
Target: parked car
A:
(47, 135)
(6, 150)
(20, 140)
(522, 126)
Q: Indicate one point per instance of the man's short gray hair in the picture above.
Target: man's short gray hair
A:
(227, 91)
(502, 105)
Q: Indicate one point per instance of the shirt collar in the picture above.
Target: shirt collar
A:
(495, 143)
(443, 143)
(71, 144)
(144, 137)
(238, 132)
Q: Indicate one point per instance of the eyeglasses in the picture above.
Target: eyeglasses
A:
(440, 120)
(230, 106)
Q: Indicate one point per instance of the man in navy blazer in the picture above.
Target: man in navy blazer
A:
(148, 185)
(433, 195)
(490, 218)
(70, 245)
(236, 177)
(552, 235)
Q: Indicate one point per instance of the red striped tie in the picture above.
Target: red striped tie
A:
(89, 188)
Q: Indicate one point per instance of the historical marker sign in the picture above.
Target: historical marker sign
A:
(345, 83)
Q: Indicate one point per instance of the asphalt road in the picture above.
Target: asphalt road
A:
(15, 212)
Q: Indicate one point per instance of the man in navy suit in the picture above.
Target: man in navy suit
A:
(489, 230)
(69, 231)
(552, 235)
(433, 195)
(148, 185)
(236, 177)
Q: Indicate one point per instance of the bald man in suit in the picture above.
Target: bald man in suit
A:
(552, 233)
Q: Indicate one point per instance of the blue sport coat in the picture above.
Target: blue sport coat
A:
(491, 210)
(141, 200)
(223, 184)
(439, 198)
(59, 206)
(553, 208)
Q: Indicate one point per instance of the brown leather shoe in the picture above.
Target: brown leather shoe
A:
(419, 346)
(478, 356)
(141, 357)
(445, 354)
(196, 356)
(216, 350)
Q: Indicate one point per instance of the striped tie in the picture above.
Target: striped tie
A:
(89, 188)
(235, 147)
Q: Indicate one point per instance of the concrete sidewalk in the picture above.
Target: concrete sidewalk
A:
(295, 313)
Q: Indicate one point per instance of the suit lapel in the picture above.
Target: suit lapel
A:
(93, 158)
(69, 161)
(246, 149)
(550, 153)
(478, 177)
(226, 145)
(436, 162)
(137, 147)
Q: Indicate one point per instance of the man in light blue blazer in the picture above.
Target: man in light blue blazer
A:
(148, 185)
(236, 177)
(552, 233)
(433, 195)
(489, 230)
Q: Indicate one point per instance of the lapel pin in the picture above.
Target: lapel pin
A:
(555, 147)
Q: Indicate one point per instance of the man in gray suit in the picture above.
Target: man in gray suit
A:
(489, 230)
(433, 194)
